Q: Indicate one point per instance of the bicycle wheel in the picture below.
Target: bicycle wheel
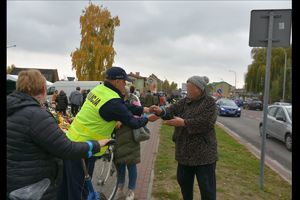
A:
(105, 176)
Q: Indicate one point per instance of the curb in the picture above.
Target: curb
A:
(273, 164)
(149, 194)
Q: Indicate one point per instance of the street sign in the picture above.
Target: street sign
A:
(219, 91)
(264, 26)
(281, 28)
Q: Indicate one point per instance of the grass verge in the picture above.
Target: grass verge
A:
(237, 172)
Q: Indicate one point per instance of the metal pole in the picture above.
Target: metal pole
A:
(266, 98)
(284, 76)
(11, 46)
(234, 80)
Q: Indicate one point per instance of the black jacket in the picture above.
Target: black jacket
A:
(117, 110)
(34, 144)
(62, 101)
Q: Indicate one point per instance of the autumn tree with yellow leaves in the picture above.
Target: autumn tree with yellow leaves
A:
(96, 52)
(9, 69)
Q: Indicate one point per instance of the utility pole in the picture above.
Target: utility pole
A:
(284, 75)
(11, 46)
(234, 80)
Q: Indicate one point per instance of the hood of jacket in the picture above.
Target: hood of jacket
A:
(62, 93)
(18, 100)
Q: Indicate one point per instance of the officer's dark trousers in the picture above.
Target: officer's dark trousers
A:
(206, 178)
(73, 186)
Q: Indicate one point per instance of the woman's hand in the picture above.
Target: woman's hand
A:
(176, 121)
(146, 110)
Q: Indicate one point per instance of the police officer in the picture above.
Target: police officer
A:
(96, 120)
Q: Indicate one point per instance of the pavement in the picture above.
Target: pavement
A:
(145, 169)
(149, 149)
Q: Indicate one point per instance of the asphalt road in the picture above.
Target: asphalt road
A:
(246, 127)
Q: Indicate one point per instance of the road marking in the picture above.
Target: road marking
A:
(273, 164)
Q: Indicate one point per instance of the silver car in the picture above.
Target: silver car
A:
(279, 124)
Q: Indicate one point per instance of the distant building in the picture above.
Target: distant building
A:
(240, 92)
(50, 74)
(152, 83)
(139, 82)
(222, 89)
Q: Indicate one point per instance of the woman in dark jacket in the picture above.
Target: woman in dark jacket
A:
(194, 120)
(127, 154)
(35, 143)
(62, 102)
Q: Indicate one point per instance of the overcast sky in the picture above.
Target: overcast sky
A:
(171, 39)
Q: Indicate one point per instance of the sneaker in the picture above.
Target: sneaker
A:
(120, 195)
(130, 195)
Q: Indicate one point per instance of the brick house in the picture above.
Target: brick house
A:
(50, 74)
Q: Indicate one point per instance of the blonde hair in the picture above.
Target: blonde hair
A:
(31, 82)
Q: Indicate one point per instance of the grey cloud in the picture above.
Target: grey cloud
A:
(203, 35)
(43, 26)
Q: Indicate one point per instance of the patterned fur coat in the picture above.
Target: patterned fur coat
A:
(196, 142)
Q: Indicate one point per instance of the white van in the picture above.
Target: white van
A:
(11, 83)
(70, 86)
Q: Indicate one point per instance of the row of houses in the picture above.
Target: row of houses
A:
(143, 84)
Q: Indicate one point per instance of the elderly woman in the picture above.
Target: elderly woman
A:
(194, 118)
(34, 141)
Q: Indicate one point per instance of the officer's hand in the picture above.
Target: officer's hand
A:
(118, 125)
(103, 142)
(155, 109)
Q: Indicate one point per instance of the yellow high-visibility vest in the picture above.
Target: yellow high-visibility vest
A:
(88, 124)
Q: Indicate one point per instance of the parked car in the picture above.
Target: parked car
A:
(282, 103)
(227, 107)
(279, 124)
(253, 104)
(239, 102)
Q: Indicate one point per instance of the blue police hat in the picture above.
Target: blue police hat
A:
(117, 73)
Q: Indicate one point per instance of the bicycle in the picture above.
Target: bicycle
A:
(103, 184)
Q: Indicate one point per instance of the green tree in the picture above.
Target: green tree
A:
(96, 52)
(173, 86)
(167, 87)
(255, 76)
(159, 85)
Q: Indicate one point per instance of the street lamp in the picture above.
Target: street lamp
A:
(234, 80)
(11, 46)
(284, 75)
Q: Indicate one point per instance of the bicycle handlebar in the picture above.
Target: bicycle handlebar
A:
(111, 142)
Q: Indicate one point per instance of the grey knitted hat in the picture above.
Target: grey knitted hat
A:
(200, 82)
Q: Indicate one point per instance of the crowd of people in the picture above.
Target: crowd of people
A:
(60, 101)
(38, 148)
